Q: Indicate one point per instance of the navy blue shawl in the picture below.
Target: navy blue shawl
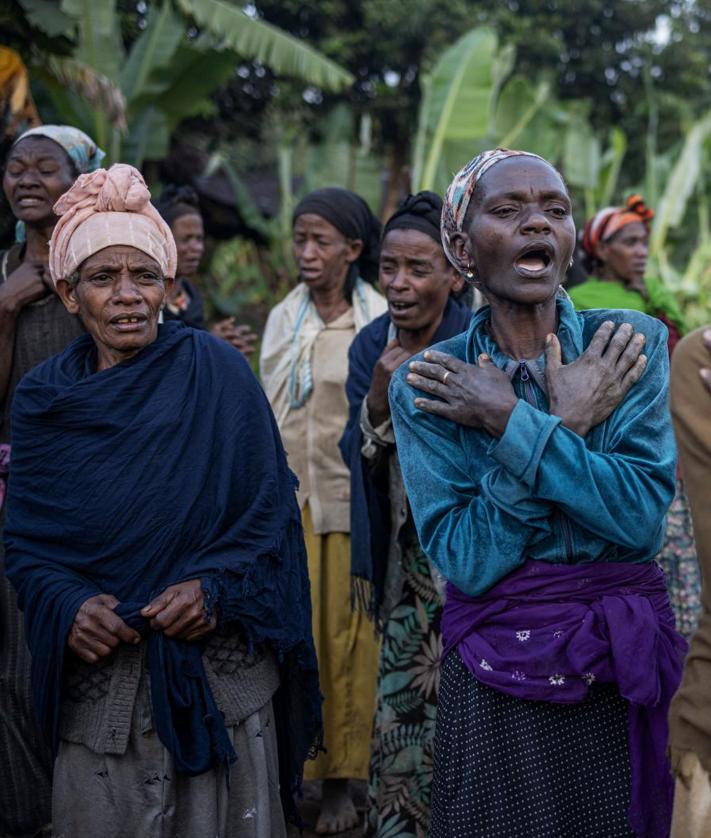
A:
(163, 468)
(370, 502)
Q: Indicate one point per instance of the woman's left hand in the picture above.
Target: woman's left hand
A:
(180, 612)
(477, 396)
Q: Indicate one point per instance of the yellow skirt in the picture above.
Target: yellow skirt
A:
(348, 652)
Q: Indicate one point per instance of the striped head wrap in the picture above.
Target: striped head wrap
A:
(610, 220)
(105, 208)
(460, 191)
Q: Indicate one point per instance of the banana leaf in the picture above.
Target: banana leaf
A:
(680, 183)
(99, 40)
(47, 16)
(458, 101)
(153, 50)
(610, 166)
(259, 41)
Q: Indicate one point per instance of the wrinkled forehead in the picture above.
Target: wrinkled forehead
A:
(37, 147)
(520, 174)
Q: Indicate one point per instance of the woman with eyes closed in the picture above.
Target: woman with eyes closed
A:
(393, 579)
(41, 165)
(155, 543)
(538, 459)
(304, 364)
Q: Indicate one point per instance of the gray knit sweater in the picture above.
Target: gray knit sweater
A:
(99, 700)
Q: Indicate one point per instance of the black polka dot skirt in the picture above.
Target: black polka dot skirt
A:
(505, 767)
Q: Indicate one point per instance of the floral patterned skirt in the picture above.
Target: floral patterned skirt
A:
(408, 683)
(680, 565)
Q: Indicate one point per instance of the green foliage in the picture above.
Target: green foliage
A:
(48, 16)
(167, 74)
(457, 105)
(262, 42)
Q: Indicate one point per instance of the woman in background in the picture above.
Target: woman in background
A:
(42, 164)
(395, 581)
(304, 365)
(616, 246)
(180, 208)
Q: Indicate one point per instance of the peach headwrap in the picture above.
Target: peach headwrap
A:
(104, 208)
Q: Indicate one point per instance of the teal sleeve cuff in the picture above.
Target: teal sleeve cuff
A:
(521, 447)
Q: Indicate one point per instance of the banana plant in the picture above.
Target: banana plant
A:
(458, 106)
(680, 184)
(470, 103)
(166, 76)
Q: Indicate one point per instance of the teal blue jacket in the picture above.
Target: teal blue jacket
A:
(482, 505)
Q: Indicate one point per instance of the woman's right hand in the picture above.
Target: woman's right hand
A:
(241, 337)
(587, 391)
(97, 630)
(26, 284)
(378, 406)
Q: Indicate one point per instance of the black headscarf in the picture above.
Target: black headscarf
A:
(175, 201)
(418, 212)
(422, 212)
(349, 214)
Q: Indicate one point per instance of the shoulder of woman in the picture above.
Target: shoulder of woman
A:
(653, 329)
(374, 297)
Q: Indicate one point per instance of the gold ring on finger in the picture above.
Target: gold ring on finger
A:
(444, 380)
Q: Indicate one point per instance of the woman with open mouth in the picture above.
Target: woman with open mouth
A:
(394, 581)
(304, 364)
(41, 165)
(538, 459)
(155, 543)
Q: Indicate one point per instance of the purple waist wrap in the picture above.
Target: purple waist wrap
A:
(547, 632)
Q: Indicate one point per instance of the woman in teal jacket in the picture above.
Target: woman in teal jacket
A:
(538, 458)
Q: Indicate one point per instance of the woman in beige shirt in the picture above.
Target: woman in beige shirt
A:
(304, 365)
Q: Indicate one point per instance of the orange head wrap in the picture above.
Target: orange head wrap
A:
(604, 224)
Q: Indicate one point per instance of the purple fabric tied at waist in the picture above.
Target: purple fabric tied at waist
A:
(4, 471)
(548, 632)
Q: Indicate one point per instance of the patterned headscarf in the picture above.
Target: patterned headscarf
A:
(83, 151)
(610, 220)
(107, 208)
(460, 191)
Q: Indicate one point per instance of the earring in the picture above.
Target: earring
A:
(470, 272)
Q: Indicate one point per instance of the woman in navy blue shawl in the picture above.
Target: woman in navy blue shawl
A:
(165, 467)
(392, 578)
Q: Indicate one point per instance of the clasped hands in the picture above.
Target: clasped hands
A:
(583, 393)
(178, 612)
